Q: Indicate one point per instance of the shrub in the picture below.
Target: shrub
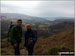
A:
(53, 51)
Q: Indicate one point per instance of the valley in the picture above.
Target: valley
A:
(53, 36)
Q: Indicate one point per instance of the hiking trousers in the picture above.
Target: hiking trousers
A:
(16, 49)
(30, 50)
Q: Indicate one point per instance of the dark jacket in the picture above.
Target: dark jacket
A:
(30, 34)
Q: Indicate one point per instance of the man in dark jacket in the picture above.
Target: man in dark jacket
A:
(15, 35)
(30, 39)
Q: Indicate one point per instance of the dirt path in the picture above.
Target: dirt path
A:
(23, 52)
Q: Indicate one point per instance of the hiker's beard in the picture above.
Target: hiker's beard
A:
(19, 25)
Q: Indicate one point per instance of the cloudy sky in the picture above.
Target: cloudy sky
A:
(39, 8)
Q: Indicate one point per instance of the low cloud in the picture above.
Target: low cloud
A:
(39, 8)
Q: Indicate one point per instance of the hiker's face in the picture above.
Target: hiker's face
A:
(19, 23)
(28, 27)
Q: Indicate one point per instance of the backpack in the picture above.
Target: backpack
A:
(9, 31)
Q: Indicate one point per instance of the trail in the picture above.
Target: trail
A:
(23, 52)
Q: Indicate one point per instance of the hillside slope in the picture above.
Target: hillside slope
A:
(63, 41)
(23, 17)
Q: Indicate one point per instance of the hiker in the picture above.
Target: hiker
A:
(15, 36)
(30, 39)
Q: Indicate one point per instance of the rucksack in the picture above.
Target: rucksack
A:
(9, 31)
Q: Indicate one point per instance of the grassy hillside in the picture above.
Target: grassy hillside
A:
(53, 36)
(63, 41)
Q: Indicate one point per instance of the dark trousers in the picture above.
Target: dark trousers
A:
(30, 50)
(16, 49)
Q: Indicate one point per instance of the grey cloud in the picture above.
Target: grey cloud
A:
(44, 9)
